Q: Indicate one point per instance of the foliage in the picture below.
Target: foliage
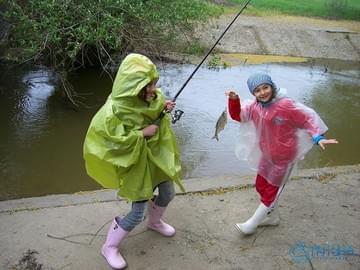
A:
(216, 63)
(71, 33)
(195, 47)
(28, 262)
(337, 9)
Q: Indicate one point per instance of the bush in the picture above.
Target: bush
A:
(69, 34)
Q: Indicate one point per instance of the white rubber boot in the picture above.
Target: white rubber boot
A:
(271, 219)
(249, 227)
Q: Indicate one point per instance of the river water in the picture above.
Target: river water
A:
(41, 137)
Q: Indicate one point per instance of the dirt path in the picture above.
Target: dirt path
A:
(285, 36)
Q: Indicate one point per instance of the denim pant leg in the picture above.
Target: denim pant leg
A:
(134, 217)
(166, 194)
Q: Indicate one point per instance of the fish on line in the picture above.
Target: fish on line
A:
(220, 124)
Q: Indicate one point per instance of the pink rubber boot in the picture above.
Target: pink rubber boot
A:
(155, 222)
(110, 249)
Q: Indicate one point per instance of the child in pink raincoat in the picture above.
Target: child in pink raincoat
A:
(277, 120)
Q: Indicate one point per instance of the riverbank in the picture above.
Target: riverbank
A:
(319, 218)
(282, 36)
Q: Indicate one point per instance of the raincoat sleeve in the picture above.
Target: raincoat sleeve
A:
(108, 139)
(234, 109)
(124, 141)
(238, 112)
(306, 118)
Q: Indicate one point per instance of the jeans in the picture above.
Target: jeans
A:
(136, 214)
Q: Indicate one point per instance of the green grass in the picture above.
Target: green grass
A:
(330, 9)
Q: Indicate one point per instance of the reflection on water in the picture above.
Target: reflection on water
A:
(31, 119)
(41, 140)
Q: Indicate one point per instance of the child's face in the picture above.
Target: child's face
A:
(150, 90)
(263, 93)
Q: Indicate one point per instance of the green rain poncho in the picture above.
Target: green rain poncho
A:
(115, 151)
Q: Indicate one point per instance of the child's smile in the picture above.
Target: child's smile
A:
(263, 93)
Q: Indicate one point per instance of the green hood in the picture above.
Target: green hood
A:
(115, 151)
(135, 72)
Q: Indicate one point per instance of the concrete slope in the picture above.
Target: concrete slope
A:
(319, 227)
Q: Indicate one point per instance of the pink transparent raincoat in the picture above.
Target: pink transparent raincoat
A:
(277, 132)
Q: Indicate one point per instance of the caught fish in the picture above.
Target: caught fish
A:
(220, 124)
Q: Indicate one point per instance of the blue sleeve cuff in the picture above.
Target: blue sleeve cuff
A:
(317, 138)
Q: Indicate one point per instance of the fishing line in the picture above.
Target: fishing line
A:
(212, 48)
(178, 113)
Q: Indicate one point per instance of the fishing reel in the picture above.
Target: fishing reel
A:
(176, 116)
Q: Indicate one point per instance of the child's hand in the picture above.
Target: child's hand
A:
(231, 94)
(169, 105)
(322, 142)
(150, 130)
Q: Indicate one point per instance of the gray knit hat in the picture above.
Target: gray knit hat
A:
(257, 79)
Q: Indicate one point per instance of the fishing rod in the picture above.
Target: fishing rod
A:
(178, 113)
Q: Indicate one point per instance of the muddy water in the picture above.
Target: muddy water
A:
(41, 138)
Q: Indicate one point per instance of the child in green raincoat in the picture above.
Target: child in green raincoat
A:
(125, 150)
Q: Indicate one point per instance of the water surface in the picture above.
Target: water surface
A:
(41, 138)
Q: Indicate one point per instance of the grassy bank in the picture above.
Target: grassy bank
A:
(330, 9)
